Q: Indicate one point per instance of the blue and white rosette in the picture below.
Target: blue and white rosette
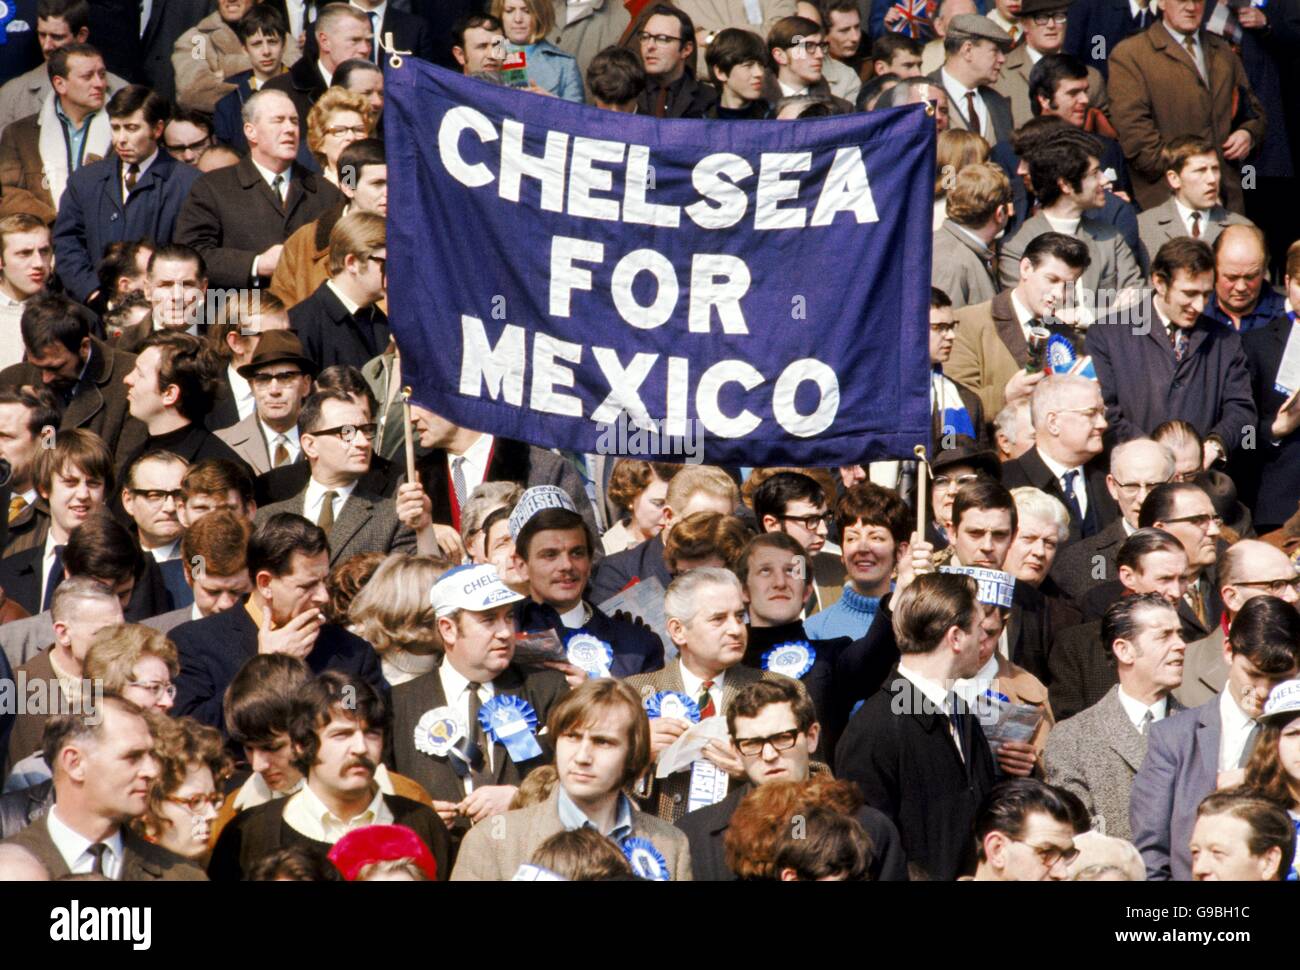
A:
(647, 861)
(672, 703)
(1062, 358)
(590, 653)
(437, 732)
(511, 721)
(7, 10)
(793, 658)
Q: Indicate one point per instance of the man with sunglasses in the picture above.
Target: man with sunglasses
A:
(774, 731)
(337, 435)
(795, 504)
(667, 45)
(1023, 834)
(280, 376)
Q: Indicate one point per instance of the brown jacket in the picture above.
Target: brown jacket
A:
(1013, 83)
(25, 738)
(1156, 94)
(1024, 688)
(22, 172)
(989, 349)
(29, 528)
(208, 53)
(305, 260)
(141, 861)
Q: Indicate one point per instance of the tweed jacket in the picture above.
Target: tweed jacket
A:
(366, 523)
(141, 861)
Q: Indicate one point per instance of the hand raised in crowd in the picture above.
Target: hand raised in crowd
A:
(296, 638)
(1288, 417)
(1022, 385)
(1252, 18)
(664, 731)
(449, 542)
(414, 507)
(916, 561)
(724, 756)
(1017, 758)
(486, 801)
(575, 676)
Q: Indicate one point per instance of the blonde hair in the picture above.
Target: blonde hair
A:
(332, 101)
(957, 149)
(356, 234)
(700, 478)
(393, 610)
(976, 194)
(115, 651)
(543, 17)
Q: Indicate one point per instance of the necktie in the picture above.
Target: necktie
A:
(1190, 43)
(97, 851)
(277, 186)
(1014, 32)
(281, 453)
(957, 718)
(1144, 727)
(458, 480)
(1071, 499)
(1178, 337)
(972, 116)
(705, 701)
(1249, 746)
(479, 773)
(132, 176)
(1196, 225)
(53, 578)
(326, 518)
(1196, 600)
(1144, 14)
(374, 33)
(16, 506)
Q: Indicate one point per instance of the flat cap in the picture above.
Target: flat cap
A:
(973, 26)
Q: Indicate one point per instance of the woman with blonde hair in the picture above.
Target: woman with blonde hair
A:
(956, 149)
(394, 614)
(338, 119)
(185, 796)
(136, 662)
(551, 70)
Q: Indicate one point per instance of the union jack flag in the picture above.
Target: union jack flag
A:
(917, 18)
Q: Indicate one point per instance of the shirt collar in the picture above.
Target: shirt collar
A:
(316, 491)
(1136, 710)
(1069, 227)
(256, 792)
(166, 553)
(1185, 214)
(1180, 37)
(239, 385)
(272, 434)
(576, 617)
(695, 685)
(572, 817)
(268, 176)
(454, 682)
(72, 845)
(144, 166)
(348, 303)
(1022, 312)
(955, 87)
(1053, 465)
(1231, 714)
(67, 122)
(932, 690)
(1136, 11)
(320, 813)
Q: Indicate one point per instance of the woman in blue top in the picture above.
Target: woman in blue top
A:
(526, 23)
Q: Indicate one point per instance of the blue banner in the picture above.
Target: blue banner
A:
(738, 293)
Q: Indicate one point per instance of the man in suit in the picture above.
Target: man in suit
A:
(337, 735)
(1242, 836)
(554, 544)
(25, 413)
(411, 32)
(1066, 175)
(1109, 21)
(304, 262)
(337, 438)
(1136, 467)
(1069, 420)
(104, 767)
(915, 751)
(281, 380)
(1096, 753)
(1189, 753)
(342, 32)
(438, 737)
(964, 265)
(696, 488)
(602, 746)
(239, 217)
(288, 561)
(1245, 569)
(341, 323)
(209, 53)
(151, 497)
(991, 352)
(975, 49)
(214, 559)
(158, 35)
(1163, 359)
(1191, 167)
(706, 619)
(1043, 24)
(38, 153)
(136, 195)
(81, 608)
(1243, 299)
(1150, 561)
(1178, 79)
(176, 284)
(774, 730)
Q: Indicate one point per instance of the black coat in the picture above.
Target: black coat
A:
(706, 829)
(643, 561)
(194, 443)
(331, 335)
(1075, 570)
(684, 98)
(1030, 469)
(20, 578)
(1081, 673)
(441, 15)
(901, 754)
(1275, 462)
(411, 32)
(1029, 630)
(304, 85)
(412, 699)
(232, 216)
(637, 649)
(213, 649)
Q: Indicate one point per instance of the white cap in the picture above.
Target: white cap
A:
(473, 588)
(535, 500)
(996, 588)
(1283, 699)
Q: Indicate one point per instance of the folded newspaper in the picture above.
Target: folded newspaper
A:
(689, 748)
(644, 599)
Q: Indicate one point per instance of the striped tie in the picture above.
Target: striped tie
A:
(705, 701)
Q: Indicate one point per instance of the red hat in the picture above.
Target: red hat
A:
(380, 843)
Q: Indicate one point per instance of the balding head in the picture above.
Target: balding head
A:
(1251, 568)
(1069, 418)
(1240, 259)
(1136, 467)
(19, 865)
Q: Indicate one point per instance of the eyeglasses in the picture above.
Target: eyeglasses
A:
(943, 481)
(811, 47)
(359, 130)
(201, 145)
(279, 377)
(811, 522)
(346, 432)
(783, 741)
(157, 688)
(1201, 522)
(1274, 587)
(1130, 488)
(195, 803)
(1092, 414)
(1042, 19)
(156, 496)
(381, 260)
(1050, 855)
(660, 40)
(944, 327)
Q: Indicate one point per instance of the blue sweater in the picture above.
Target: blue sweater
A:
(850, 616)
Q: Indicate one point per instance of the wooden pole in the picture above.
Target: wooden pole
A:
(922, 489)
(410, 437)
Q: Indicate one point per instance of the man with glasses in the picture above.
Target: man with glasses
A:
(151, 496)
(1246, 569)
(1136, 467)
(775, 732)
(1186, 512)
(667, 46)
(953, 468)
(341, 323)
(1042, 23)
(337, 436)
(797, 51)
(280, 375)
(1069, 419)
(793, 503)
(1024, 834)
(187, 135)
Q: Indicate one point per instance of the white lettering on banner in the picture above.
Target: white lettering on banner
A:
(565, 277)
(773, 190)
(584, 178)
(635, 207)
(454, 122)
(500, 371)
(548, 169)
(665, 301)
(846, 190)
(718, 281)
(731, 201)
